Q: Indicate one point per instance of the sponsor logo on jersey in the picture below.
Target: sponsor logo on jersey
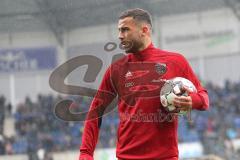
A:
(161, 68)
(128, 74)
(129, 84)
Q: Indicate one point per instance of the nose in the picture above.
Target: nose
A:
(120, 35)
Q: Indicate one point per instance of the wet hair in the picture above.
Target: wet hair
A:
(138, 15)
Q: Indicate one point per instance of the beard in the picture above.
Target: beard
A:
(131, 46)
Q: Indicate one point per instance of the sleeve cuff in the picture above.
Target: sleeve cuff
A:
(84, 156)
(196, 101)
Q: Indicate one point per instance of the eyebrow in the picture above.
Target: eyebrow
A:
(121, 28)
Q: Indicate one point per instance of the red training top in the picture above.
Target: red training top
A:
(146, 131)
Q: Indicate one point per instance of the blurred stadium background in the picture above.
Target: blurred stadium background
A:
(36, 36)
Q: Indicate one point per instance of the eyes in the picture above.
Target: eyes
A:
(123, 29)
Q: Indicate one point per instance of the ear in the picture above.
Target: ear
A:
(145, 29)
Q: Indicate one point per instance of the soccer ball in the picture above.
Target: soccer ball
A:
(173, 88)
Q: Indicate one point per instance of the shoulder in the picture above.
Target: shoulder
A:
(179, 57)
(117, 65)
(174, 58)
(173, 55)
(120, 61)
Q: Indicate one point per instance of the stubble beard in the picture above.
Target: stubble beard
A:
(133, 47)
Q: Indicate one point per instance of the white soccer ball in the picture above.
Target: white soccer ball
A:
(173, 88)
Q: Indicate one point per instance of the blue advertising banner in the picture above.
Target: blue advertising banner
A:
(27, 59)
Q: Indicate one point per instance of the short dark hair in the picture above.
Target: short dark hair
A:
(137, 14)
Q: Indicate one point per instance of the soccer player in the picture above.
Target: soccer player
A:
(146, 131)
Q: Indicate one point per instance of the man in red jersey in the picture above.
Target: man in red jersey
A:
(146, 131)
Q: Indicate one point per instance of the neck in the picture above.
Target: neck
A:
(145, 45)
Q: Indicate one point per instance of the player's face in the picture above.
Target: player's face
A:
(130, 35)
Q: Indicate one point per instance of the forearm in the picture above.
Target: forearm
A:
(91, 129)
(89, 139)
(200, 100)
(92, 125)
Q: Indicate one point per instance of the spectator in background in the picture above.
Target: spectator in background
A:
(9, 109)
(2, 113)
(2, 145)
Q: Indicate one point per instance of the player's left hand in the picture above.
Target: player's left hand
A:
(183, 103)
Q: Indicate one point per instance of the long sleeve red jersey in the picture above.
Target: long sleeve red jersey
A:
(146, 131)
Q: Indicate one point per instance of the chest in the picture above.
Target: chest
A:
(138, 80)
